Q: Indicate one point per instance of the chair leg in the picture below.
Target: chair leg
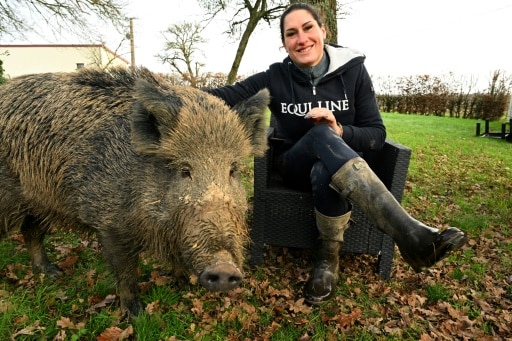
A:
(256, 254)
(385, 261)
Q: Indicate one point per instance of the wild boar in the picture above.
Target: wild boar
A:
(145, 165)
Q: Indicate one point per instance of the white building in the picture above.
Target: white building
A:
(24, 59)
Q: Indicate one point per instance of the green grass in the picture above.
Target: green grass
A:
(455, 178)
(436, 292)
(464, 180)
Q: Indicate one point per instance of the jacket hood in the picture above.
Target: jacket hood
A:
(341, 57)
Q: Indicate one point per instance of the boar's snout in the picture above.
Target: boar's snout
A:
(221, 277)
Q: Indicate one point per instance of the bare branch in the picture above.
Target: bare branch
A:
(79, 17)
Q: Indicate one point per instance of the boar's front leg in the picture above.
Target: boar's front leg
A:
(122, 255)
(34, 233)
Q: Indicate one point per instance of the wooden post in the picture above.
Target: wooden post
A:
(478, 129)
(132, 44)
(486, 127)
(510, 108)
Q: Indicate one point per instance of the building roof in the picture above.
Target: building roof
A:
(67, 45)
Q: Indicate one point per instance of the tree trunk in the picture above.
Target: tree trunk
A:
(233, 72)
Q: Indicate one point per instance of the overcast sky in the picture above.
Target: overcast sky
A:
(398, 37)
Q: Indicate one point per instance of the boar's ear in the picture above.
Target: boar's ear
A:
(154, 113)
(252, 113)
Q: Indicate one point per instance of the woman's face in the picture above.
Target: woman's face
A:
(303, 38)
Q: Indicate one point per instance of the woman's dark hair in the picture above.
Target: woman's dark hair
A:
(296, 6)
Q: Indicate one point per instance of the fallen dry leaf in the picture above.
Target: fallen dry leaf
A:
(68, 262)
(115, 334)
(106, 301)
(30, 330)
(152, 307)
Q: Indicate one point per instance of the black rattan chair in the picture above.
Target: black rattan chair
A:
(285, 217)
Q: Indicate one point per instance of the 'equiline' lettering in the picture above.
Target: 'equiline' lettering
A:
(301, 109)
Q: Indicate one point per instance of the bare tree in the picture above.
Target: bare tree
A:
(247, 16)
(23, 16)
(181, 48)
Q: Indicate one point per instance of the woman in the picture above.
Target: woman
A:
(326, 113)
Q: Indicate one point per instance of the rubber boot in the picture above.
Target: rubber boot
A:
(421, 246)
(321, 286)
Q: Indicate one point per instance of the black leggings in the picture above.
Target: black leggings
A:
(310, 164)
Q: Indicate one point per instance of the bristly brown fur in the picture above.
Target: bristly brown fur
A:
(143, 164)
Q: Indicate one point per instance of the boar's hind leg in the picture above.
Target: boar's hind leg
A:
(123, 259)
(34, 234)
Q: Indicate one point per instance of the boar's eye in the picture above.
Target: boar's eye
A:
(234, 171)
(185, 172)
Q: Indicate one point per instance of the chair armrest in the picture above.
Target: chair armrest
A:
(262, 165)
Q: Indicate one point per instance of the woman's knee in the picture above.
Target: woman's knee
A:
(321, 131)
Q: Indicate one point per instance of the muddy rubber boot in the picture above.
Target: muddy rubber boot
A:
(321, 286)
(421, 246)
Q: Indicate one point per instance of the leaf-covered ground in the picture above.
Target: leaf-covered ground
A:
(468, 297)
(452, 179)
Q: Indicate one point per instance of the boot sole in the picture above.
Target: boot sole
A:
(448, 241)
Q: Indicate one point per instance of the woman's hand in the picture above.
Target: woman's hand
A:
(324, 116)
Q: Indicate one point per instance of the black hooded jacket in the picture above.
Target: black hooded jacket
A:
(346, 89)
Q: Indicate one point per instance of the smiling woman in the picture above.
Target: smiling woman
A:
(321, 146)
(303, 40)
